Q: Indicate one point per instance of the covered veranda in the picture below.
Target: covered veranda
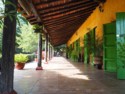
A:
(62, 76)
(60, 20)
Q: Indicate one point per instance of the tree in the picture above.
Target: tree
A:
(27, 39)
(8, 48)
(1, 33)
(8, 22)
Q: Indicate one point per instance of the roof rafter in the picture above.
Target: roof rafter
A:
(61, 18)
(56, 3)
(35, 11)
(72, 4)
(82, 16)
(67, 13)
(65, 10)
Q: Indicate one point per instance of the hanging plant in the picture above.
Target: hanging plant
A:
(37, 28)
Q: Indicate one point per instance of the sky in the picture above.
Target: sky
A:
(1, 7)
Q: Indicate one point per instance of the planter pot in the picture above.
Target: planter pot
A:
(98, 62)
(19, 66)
(36, 59)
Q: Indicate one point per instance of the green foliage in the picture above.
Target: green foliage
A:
(1, 33)
(98, 47)
(31, 57)
(21, 58)
(37, 28)
(20, 19)
(73, 52)
(74, 55)
(69, 51)
(121, 51)
(1, 13)
(27, 40)
(11, 14)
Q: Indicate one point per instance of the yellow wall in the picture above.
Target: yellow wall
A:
(98, 18)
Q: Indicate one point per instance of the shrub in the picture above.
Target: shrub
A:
(31, 57)
(21, 58)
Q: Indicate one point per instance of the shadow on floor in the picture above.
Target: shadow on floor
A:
(63, 77)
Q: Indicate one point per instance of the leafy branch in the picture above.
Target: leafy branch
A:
(11, 14)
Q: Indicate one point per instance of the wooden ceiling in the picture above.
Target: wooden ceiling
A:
(61, 18)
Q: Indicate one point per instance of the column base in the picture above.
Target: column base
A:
(46, 63)
(39, 68)
(12, 92)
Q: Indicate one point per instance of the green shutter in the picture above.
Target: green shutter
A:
(109, 45)
(92, 47)
(85, 49)
(120, 25)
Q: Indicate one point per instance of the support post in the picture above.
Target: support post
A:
(49, 51)
(66, 52)
(8, 50)
(52, 52)
(39, 65)
(46, 49)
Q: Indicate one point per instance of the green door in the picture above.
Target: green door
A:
(86, 49)
(109, 45)
(92, 47)
(120, 25)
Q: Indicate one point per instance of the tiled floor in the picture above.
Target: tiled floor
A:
(63, 77)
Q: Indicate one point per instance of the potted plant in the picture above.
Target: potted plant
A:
(74, 55)
(37, 28)
(98, 50)
(20, 60)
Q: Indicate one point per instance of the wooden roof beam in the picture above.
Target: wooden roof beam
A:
(70, 23)
(66, 31)
(57, 41)
(25, 6)
(60, 41)
(83, 16)
(58, 44)
(68, 17)
(69, 9)
(55, 3)
(68, 13)
(35, 11)
(72, 4)
(43, 1)
(72, 15)
(63, 27)
(58, 37)
(61, 32)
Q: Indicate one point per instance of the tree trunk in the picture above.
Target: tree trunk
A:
(8, 50)
(39, 65)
